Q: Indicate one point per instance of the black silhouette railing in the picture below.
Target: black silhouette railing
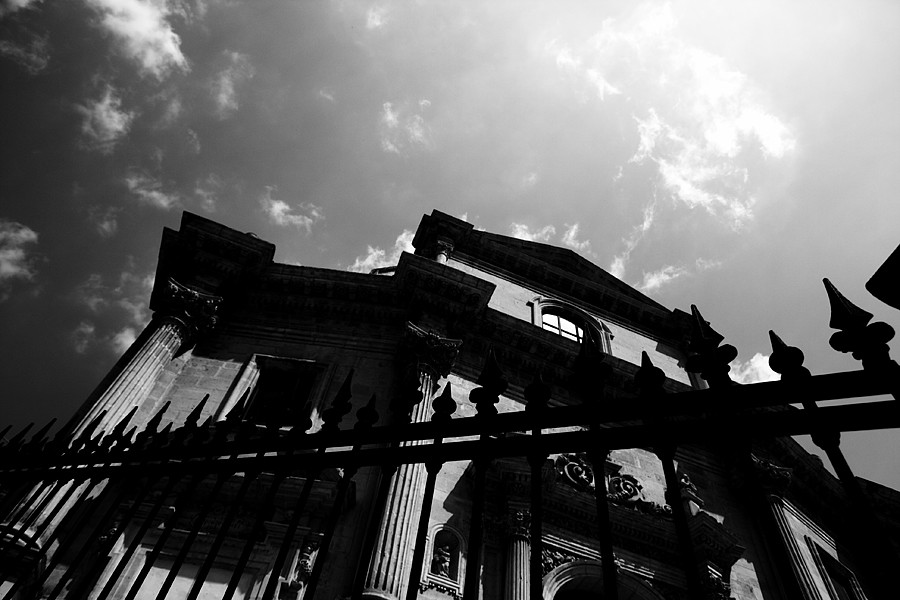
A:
(78, 498)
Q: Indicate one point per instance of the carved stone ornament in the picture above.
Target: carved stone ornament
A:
(622, 489)
(575, 471)
(444, 588)
(434, 354)
(197, 309)
(715, 587)
(520, 523)
(552, 558)
(305, 561)
(770, 475)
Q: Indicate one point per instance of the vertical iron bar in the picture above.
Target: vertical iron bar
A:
(378, 507)
(235, 580)
(537, 395)
(682, 530)
(604, 527)
(221, 478)
(96, 567)
(476, 529)
(330, 527)
(213, 552)
(139, 536)
(433, 468)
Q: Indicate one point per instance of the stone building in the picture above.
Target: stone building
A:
(241, 347)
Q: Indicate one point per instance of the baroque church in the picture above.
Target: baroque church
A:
(491, 418)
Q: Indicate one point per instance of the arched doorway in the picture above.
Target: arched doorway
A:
(583, 580)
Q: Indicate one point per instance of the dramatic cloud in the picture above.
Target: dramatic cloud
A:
(698, 119)
(755, 370)
(617, 268)
(281, 213)
(148, 190)
(104, 122)
(15, 263)
(523, 232)
(403, 129)
(376, 258)
(224, 85)
(570, 239)
(32, 55)
(118, 310)
(144, 33)
(11, 6)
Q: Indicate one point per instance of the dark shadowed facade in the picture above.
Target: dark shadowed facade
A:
(491, 418)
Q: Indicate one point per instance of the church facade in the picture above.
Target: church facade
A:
(491, 418)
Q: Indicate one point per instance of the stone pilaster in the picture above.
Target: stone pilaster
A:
(429, 358)
(518, 556)
(185, 314)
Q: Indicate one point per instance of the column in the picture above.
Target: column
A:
(184, 314)
(428, 358)
(518, 557)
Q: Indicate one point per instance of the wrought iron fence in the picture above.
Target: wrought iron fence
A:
(65, 503)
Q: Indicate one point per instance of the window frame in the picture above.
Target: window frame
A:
(250, 374)
(578, 317)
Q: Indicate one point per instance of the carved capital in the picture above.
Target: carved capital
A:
(770, 476)
(519, 524)
(196, 310)
(434, 355)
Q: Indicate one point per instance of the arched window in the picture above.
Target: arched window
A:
(570, 322)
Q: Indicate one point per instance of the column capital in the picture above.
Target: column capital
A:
(433, 354)
(197, 310)
(519, 524)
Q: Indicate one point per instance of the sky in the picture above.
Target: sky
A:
(718, 153)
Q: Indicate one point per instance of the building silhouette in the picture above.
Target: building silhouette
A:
(490, 418)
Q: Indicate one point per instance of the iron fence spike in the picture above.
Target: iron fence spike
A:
(844, 314)
(444, 405)
(194, 417)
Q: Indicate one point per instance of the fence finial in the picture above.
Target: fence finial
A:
(537, 394)
(194, 418)
(444, 405)
(786, 360)
(340, 406)
(492, 385)
(367, 415)
(844, 314)
(709, 359)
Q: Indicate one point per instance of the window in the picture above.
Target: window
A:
(570, 322)
(840, 581)
(560, 325)
(275, 390)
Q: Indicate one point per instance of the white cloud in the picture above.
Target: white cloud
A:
(224, 85)
(110, 305)
(15, 262)
(84, 336)
(104, 122)
(570, 239)
(207, 190)
(376, 17)
(755, 370)
(326, 94)
(281, 213)
(402, 129)
(523, 232)
(122, 339)
(149, 190)
(656, 279)
(142, 29)
(697, 116)
(377, 258)
(617, 268)
(11, 6)
(33, 55)
(105, 220)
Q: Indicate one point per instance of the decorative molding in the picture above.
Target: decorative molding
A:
(554, 557)
(519, 524)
